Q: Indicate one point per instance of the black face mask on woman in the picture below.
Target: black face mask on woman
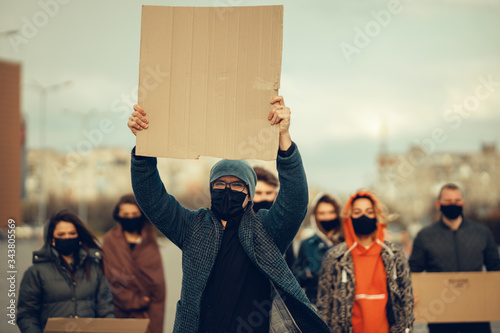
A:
(364, 225)
(330, 225)
(131, 224)
(227, 204)
(66, 246)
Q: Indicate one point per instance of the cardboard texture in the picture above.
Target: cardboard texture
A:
(457, 297)
(96, 325)
(11, 143)
(206, 79)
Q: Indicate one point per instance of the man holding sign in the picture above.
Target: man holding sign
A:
(454, 244)
(235, 278)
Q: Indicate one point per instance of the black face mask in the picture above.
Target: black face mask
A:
(452, 212)
(227, 204)
(330, 225)
(364, 225)
(131, 225)
(262, 205)
(66, 246)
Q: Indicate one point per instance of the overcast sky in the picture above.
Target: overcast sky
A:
(420, 61)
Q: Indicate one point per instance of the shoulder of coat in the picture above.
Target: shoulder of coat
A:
(338, 250)
(393, 246)
(95, 254)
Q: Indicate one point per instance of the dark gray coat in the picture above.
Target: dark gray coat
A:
(47, 290)
(264, 237)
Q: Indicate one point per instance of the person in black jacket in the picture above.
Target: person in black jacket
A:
(454, 244)
(66, 278)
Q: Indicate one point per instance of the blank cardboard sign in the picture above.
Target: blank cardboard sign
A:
(97, 325)
(457, 297)
(207, 76)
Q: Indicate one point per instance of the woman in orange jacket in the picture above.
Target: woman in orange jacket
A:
(365, 284)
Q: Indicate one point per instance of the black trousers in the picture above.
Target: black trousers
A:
(460, 328)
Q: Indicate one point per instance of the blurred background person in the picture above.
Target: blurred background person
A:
(454, 244)
(266, 189)
(406, 242)
(328, 232)
(266, 192)
(365, 283)
(133, 265)
(66, 278)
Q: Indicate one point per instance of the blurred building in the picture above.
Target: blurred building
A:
(11, 143)
(103, 175)
(101, 172)
(411, 181)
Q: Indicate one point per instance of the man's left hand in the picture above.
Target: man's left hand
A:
(280, 114)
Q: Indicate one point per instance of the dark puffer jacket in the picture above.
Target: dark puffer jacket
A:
(47, 290)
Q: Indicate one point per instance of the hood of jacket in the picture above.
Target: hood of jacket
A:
(314, 223)
(370, 276)
(350, 235)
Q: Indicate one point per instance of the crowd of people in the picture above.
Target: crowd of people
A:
(73, 277)
(240, 273)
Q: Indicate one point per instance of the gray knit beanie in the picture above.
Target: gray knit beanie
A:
(237, 168)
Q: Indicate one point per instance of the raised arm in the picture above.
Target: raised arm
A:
(280, 114)
(288, 211)
(162, 209)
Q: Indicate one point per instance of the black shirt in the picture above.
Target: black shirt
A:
(237, 294)
(437, 248)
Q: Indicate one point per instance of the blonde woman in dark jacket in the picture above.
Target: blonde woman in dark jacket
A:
(365, 284)
(66, 279)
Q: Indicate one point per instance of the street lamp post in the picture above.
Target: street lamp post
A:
(42, 202)
(83, 186)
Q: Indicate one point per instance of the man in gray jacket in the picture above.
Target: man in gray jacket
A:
(234, 276)
(454, 244)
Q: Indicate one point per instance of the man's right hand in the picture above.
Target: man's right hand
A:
(137, 121)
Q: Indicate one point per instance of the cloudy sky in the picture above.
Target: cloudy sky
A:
(350, 68)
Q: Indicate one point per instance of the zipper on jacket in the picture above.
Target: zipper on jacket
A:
(73, 288)
(455, 236)
(344, 296)
(69, 278)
